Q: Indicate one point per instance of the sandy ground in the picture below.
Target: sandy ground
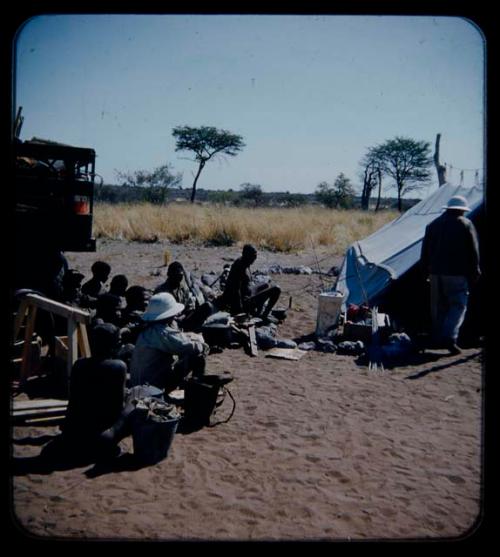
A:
(319, 449)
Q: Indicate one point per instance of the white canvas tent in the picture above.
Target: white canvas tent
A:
(371, 265)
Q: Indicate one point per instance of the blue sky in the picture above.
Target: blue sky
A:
(309, 94)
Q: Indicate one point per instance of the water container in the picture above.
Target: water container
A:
(151, 438)
(200, 399)
(329, 307)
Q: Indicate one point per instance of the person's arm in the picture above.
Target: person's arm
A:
(188, 299)
(473, 249)
(178, 343)
(245, 287)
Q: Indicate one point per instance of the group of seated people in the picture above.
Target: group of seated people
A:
(160, 326)
(139, 337)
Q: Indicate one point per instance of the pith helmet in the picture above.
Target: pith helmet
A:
(162, 306)
(457, 202)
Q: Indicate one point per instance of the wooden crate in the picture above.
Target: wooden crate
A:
(363, 332)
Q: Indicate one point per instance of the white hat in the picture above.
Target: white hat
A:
(162, 306)
(457, 202)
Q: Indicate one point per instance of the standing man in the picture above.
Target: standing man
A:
(240, 295)
(450, 259)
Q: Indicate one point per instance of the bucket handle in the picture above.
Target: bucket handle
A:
(225, 391)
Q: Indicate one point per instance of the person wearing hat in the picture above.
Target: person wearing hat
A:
(450, 260)
(163, 354)
(240, 295)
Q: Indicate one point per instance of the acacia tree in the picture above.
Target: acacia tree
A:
(206, 142)
(404, 160)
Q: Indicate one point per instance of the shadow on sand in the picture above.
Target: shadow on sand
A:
(48, 462)
(418, 359)
(58, 455)
(449, 363)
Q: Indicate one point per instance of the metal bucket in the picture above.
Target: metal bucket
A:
(151, 438)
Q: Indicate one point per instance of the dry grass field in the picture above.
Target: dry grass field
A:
(276, 229)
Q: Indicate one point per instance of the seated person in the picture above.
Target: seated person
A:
(164, 355)
(96, 398)
(72, 289)
(118, 286)
(194, 314)
(137, 298)
(240, 296)
(95, 286)
(109, 309)
(71, 296)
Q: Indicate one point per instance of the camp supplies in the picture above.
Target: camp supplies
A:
(374, 350)
(329, 307)
(362, 330)
(202, 396)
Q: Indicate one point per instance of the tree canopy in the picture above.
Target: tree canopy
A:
(206, 142)
(251, 193)
(404, 160)
(338, 195)
(156, 181)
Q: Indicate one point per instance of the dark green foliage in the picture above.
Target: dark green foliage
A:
(251, 194)
(294, 199)
(340, 195)
(130, 194)
(154, 185)
(223, 197)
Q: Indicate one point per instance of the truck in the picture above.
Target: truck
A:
(53, 206)
(54, 193)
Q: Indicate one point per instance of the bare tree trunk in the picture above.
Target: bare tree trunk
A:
(440, 169)
(200, 168)
(379, 177)
(365, 196)
(400, 186)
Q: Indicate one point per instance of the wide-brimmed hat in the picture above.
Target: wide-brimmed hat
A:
(457, 202)
(162, 306)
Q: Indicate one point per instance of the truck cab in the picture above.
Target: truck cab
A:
(54, 194)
